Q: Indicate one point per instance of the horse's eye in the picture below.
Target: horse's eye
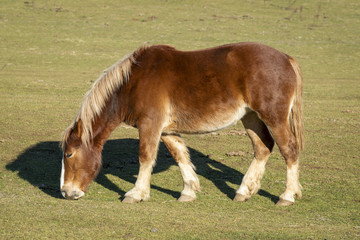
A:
(68, 155)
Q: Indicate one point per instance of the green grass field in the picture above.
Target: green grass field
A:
(52, 51)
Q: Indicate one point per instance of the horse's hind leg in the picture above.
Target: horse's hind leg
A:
(288, 148)
(263, 144)
(149, 134)
(180, 153)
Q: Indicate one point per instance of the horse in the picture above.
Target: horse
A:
(165, 92)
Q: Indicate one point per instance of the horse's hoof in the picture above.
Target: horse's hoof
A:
(186, 198)
(284, 203)
(240, 198)
(128, 199)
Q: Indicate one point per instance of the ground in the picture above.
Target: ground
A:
(52, 51)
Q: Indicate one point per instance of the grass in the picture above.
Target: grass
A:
(52, 51)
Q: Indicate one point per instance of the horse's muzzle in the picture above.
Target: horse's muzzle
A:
(72, 194)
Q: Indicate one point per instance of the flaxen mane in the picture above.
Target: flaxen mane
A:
(94, 101)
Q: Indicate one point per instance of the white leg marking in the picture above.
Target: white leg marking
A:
(293, 187)
(181, 155)
(141, 191)
(191, 181)
(251, 181)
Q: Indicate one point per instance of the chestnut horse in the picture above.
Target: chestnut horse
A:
(164, 92)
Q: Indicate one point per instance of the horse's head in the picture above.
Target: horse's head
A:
(80, 164)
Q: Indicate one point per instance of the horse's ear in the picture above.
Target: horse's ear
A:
(79, 129)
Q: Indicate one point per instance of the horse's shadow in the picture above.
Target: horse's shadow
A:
(40, 165)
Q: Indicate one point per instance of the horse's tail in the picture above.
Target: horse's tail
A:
(296, 114)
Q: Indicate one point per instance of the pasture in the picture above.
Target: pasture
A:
(52, 51)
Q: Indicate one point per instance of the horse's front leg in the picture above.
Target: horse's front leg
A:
(180, 153)
(149, 134)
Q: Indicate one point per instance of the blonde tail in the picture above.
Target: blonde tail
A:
(296, 114)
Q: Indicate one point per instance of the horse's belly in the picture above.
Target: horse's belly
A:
(194, 123)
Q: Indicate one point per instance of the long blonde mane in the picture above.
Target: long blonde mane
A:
(103, 88)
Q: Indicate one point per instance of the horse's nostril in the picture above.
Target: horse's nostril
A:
(66, 195)
(63, 193)
(74, 195)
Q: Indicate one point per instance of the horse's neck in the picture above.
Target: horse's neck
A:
(104, 125)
